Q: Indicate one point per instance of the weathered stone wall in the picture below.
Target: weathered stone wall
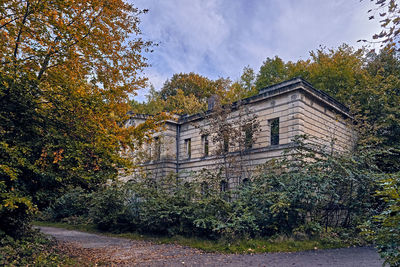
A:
(283, 106)
(300, 108)
(329, 127)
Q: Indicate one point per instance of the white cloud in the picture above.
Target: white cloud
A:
(219, 37)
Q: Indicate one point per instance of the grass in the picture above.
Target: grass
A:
(239, 246)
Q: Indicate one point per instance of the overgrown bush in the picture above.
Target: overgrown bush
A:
(384, 228)
(113, 208)
(34, 249)
(306, 188)
(74, 203)
(304, 193)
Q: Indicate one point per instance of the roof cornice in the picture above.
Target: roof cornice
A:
(269, 92)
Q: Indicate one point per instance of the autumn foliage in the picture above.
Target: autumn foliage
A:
(67, 70)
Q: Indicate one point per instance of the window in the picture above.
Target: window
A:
(274, 130)
(157, 150)
(223, 186)
(204, 140)
(248, 138)
(188, 147)
(226, 144)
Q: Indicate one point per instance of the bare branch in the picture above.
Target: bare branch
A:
(17, 41)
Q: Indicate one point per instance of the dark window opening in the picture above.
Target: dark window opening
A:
(188, 146)
(274, 127)
(150, 152)
(157, 149)
(226, 144)
(223, 186)
(205, 145)
(248, 139)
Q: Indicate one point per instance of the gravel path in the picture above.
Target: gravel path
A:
(124, 252)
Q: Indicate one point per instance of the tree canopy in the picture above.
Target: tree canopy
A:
(188, 93)
(364, 80)
(67, 70)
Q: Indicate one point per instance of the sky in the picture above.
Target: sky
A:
(218, 38)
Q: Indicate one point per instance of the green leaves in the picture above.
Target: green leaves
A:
(363, 80)
(273, 71)
(384, 228)
(313, 194)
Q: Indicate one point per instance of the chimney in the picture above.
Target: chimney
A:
(212, 101)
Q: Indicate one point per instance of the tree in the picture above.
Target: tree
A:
(80, 39)
(184, 104)
(337, 72)
(243, 88)
(385, 68)
(273, 70)
(190, 83)
(153, 104)
(19, 141)
(67, 69)
(384, 228)
(247, 79)
(383, 110)
(385, 63)
(232, 137)
(184, 94)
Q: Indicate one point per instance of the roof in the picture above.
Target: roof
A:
(304, 83)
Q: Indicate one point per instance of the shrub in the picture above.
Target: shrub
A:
(304, 193)
(113, 208)
(165, 206)
(75, 203)
(16, 212)
(384, 229)
(305, 188)
(34, 249)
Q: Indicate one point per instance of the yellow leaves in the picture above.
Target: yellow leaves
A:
(182, 104)
(83, 34)
(12, 201)
(9, 171)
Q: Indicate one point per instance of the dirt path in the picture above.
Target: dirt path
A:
(124, 252)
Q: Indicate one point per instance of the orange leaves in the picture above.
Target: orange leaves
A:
(58, 155)
(85, 35)
(85, 57)
(45, 158)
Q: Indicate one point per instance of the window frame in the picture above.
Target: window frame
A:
(157, 148)
(225, 144)
(188, 147)
(223, 186)
(205, 144)
(274, 129)
(248, 136)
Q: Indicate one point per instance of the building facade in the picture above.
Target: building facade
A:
(189, 143)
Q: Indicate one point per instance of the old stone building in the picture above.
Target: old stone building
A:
(282, 111)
